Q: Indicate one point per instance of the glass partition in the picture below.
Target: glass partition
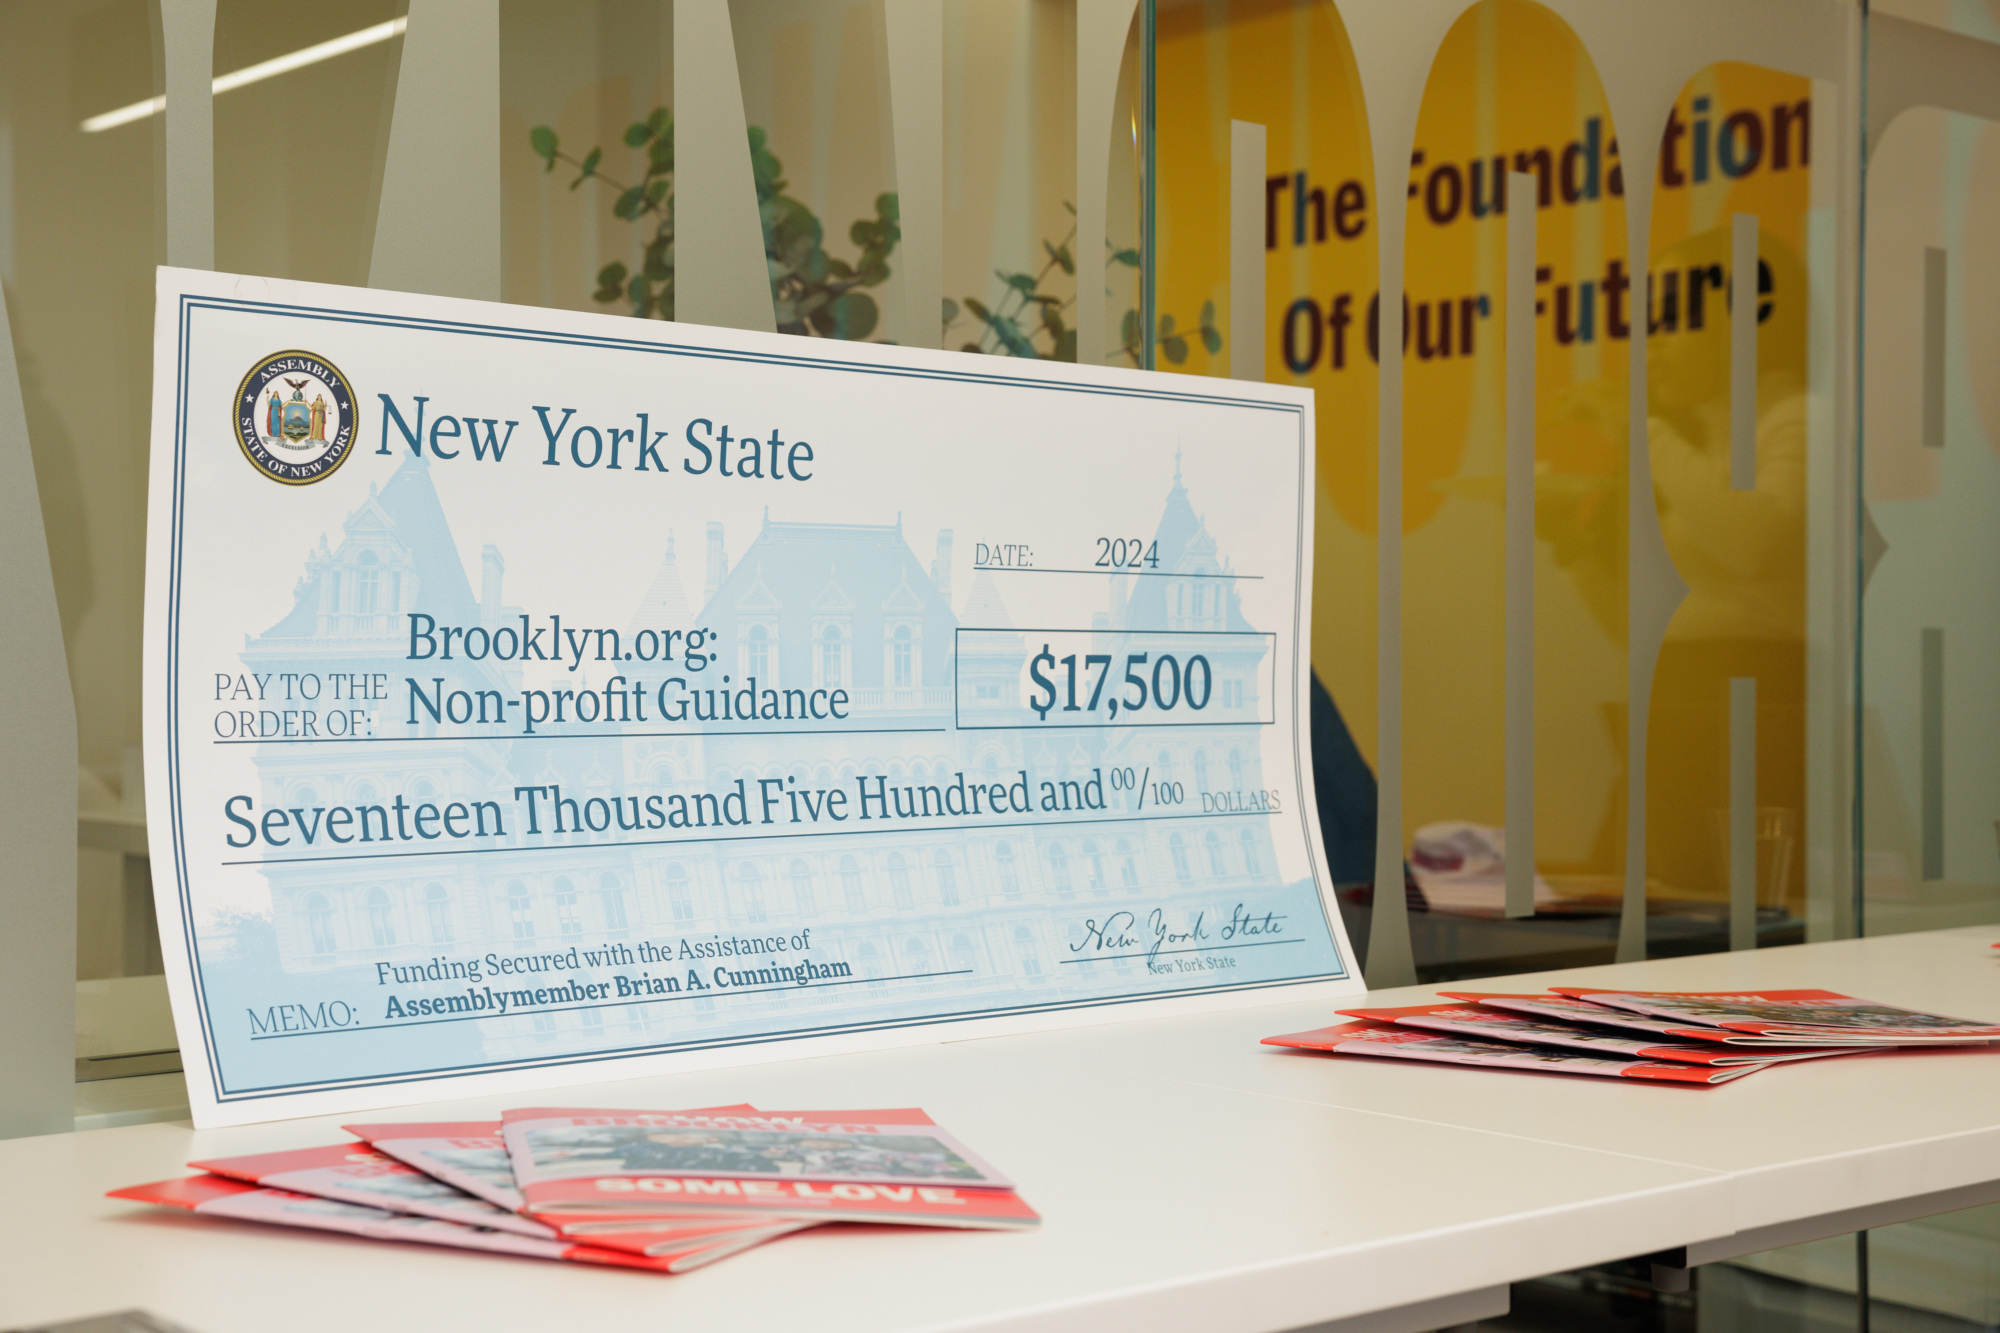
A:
(1731, 463)
(1012, 259)
(816, 90)
(1289, 69)
(80, 193)
(586, 98)
(1514, 499)
(299, 150)
(1597, 591)
(1589, 613)
(1930, 647)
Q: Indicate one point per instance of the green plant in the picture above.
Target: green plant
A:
(811, 291)
(1027, 321)
(814, 293)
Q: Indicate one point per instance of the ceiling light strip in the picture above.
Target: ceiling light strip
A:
(266, 69)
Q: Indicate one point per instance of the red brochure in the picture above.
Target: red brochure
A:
(580, 1169)
(1795, 1015)
(639, 1237)
(469, 1153)
(356, 1174)
(552, 1147)
(217, 1196)
(1407, 1044)
(1583, 1011)
(1499, 1025)
(584, 1209)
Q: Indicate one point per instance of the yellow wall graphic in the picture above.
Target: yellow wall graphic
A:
(1513, 90)
(1738, 142)
(1288, 67)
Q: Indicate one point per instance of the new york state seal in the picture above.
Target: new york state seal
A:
(295, 417)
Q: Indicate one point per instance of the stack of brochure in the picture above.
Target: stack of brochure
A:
(1662, 1036)
(667, 1191)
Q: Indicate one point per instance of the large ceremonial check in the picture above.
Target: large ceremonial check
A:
(535, 697)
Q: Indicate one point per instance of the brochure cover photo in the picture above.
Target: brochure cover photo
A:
(470, 1154)
(591, 1147)
(575, 1166)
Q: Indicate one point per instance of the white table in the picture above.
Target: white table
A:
(1191, 1180)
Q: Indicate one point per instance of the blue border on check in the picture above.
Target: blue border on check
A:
(189, 304)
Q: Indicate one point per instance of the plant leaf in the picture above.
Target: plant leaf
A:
(1129, 258)
(764, 165)
(1061, 256)
(1176, 349)
(590, 163)
(1010, 336)
(543, 140)
(1211, 339)
(851, 315)
(950, 310)
(1021, 282)
(637, 133)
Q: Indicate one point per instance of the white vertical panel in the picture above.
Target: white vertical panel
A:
(1743, 812)
(1246, 250)
(720, 274)
(187, 34)
(1520, 546)
(1930, 751)
(1394, 44)
(1829, 528)
(1743, 352)
(1101, 29)
(1918, 64)
(437, 229)
(37, 801)
(1641, 83)
(916, 118)
(1935, 345)
(1644, 54)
